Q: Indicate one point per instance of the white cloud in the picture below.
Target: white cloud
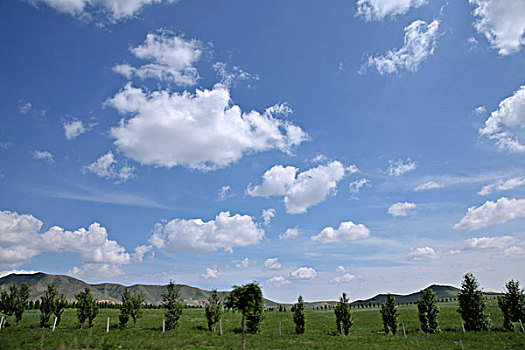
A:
(243, 264)
(400, 167)
(229, 77)
(347, 277)
(211, 273)
(114, 9)
(502, 185)
(97, 271)
(419, 43)
(290, 233)
(267, 215)
(75, 128)
(164, 126)
(16, 271)
(514, 251)
(424, 253)
(44, 155)
(402, 209)
(341, 269)
(197, 236)
(501, 22)
(430, 185)
(379, 9)
(347, 231)
(26, 107)
(355, 187)
(510, 114)
(172, 59)
(278, 281)
(21, 241)
(301, 190)
(489, 242)
(492, 213)
(481, 110)
(225, 193)
(272, 264)
(320, 158)
(106, 167)
(303, 273)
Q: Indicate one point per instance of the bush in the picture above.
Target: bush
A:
(390, 314)
(428, 311)
(512, 304)
(472, 305)
(47, 305)
(87, 307)
(299, 317)
(213, 309)
(343, 317)
(173, 306)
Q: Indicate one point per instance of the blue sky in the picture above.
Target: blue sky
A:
(368, 146)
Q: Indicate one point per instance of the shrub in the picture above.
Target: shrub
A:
(343, 317)
(390, 314)
(173, 306)
(299, 317)
(213, 309)
(512, 304)
(87, 307)
(472, 305)
(428, 311)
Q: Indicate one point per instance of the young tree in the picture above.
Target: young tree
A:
(428, 311)
(390, 314)
(512, 304)
(137, 301)
(14, 302)
(472, 305)
(47, 304)
(173, 306)
(343, 317)
(248, 300)
(299, 316)
(87, 307)
(213, 309)
(59, 307)
(125, 308)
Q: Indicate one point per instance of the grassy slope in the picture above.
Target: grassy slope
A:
(365, 334)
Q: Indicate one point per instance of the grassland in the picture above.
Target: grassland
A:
(320, 332)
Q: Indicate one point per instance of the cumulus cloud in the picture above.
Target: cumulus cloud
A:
(402, 209)
(489, 242)
(16, 271)
(424, 253)
(96, 271)
(430, 185)
(501, 22)
(26, 107)
(347, 231)
(379, 9)
(278, 281)
(225, 193)
(480, 110)
(106, 167)
(290, 233)
(74, 128)
(512, 251)
(114, 9)
(171, 57)
(419, 43)
(492, 213)
(502, 185)
(229, 77)
(197, 236)
(355, 186)
(211, 273)
(201, 131)
(43, 155)
(267, 215)
(400, 167)
(303, 273)
(347, 277)
(21, 241)
(510, 114)
(272, 264)
(243, 264)
(300, 190)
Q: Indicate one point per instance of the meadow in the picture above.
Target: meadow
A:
(366, 333)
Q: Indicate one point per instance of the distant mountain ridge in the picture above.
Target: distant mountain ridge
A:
(193, 296)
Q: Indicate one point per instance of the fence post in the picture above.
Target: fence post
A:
(220, 327)
(404, 331)
(341, 330)
(463, 327)
(280, 333)
(54, 324)
(1, 321)
(521, 324)
(163, 325)
(107, 326)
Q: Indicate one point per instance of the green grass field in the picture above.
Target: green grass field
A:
(366, 332)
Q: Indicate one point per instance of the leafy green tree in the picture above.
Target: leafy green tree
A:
(390, 314)
(299, 317)
(213, 309)
(137, 301)
(15, 302)
(173, 306)
(343, 317)
(248, 300)
(87, 307)
(47, 304)
(472, 305)
(428, 311)
(512, 304)
(59, 307)
(125, 309)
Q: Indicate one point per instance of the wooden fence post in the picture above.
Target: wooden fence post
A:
(341, 330)
(404, 331)
(107, 326)
(521, 324)
(163, 325)
(1, 321)
(54, 324)
(280, 332)
(220, 327)
(463, 327)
